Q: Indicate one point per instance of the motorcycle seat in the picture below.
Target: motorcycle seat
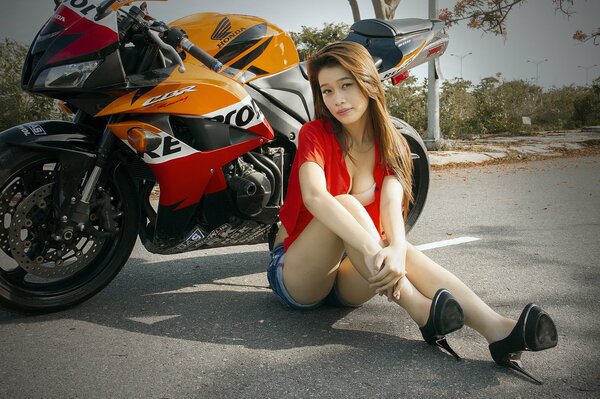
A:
(392, 28)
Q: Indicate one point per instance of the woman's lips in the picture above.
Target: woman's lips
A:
(344, 111)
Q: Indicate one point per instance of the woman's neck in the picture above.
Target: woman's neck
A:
(360, 133)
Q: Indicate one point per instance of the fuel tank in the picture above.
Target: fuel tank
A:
(248, 46)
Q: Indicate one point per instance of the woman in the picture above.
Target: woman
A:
(348, 193)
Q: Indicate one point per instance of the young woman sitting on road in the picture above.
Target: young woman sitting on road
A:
(348, 193)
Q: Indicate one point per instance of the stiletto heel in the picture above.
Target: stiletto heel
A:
(445, 316)
(534, 331)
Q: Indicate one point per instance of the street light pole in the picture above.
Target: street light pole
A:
(460, 57)
(586, 72)
(537, 70)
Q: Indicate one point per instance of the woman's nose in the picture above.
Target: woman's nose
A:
(339, 98)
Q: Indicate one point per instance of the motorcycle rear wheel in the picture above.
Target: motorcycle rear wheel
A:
(421, 171)
(34, 280)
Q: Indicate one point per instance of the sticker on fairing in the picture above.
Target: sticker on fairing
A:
(32, 128)
(170, 148)
(194, 237)
(169, 95)
(244, 114)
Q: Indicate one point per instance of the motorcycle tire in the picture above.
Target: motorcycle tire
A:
(421, 171)
(30, 287)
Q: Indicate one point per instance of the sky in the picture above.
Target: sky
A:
(535, 32)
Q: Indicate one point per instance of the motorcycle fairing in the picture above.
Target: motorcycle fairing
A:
(53, 136)
(71, 36)
(187, 94)
(184, 174)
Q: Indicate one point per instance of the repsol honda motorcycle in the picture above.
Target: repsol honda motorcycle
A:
(208, 107)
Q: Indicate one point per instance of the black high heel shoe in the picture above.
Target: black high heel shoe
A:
(534, 331)
(445, 316)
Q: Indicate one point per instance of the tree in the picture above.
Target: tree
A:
(491, 15)
(384, 9)
(16, 106)
(408, 101)
(457, 109)
(310, 40)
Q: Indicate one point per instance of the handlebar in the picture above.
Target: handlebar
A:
(177, 37)
(201, 55)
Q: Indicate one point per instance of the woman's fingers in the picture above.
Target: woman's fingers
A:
(397, 290)
(381, 274)
(392, 278)
(389, 285)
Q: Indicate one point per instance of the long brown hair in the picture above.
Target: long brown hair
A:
(393, 148)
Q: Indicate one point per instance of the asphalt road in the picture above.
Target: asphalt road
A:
(205, 325)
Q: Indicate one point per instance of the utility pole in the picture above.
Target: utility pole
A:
(586, 72)
(434, 137)
(460, 57)
(537, 70)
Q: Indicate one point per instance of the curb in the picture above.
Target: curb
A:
(505, 149)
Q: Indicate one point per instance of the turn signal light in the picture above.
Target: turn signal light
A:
(142, 140)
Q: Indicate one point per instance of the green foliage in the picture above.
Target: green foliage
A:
(16, 106)
(497, 106)
(457, 109)
(586, 108)
(408, 101)
(310, 40)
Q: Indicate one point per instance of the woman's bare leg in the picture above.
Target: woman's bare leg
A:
(427, 276)
(352, 283)
(311, 267)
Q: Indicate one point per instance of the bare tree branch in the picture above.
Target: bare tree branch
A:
(355, 10)
(385, 9)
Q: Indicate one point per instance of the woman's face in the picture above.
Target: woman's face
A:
(342, 96)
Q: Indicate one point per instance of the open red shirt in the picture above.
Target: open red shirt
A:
(317, 143)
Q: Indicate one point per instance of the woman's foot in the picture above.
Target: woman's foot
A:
(445, 316)
(534, 331)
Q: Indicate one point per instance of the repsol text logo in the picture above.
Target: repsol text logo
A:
(83, 6)
(240, 117)
(169, 95)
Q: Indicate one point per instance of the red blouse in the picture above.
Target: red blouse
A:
(317, 143)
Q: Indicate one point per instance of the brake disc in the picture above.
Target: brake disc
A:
(40, 251)
(9, 200)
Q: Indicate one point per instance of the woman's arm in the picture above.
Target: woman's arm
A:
(392, 257)
(327, 210)
(392, 219)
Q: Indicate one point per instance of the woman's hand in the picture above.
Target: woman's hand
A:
(391, 265)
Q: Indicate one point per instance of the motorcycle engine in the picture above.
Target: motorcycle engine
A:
(254, 183)
(253, 192)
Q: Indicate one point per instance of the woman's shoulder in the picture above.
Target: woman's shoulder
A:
(320, 128)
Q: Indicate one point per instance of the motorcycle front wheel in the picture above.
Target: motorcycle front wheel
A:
(43, 266)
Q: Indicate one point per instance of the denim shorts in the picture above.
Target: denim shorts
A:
(275, 277)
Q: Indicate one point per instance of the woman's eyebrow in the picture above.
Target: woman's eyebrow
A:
(339, 80)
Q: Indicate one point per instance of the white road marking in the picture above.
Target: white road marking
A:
(153, 319)
(446, 243)
(257, 282)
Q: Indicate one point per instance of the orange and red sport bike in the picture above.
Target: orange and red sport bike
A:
(208, 107)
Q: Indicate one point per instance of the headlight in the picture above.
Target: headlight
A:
(66, 76)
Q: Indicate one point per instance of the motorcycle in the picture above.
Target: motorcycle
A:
(207, 107)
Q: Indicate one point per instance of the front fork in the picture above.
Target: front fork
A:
(76, 213)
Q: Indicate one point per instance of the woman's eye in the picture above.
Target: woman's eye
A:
(326, 92)
(346, 85)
